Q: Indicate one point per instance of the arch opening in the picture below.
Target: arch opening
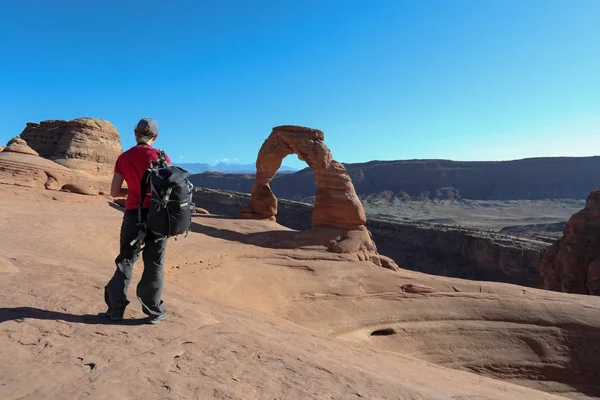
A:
(338, 214)
(336, 202)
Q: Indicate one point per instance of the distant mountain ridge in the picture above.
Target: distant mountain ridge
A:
(226, 168)
(526, 179)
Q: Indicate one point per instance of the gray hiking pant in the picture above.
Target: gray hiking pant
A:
(149, 289)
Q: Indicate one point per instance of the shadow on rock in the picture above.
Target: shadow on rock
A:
(275, 239)
(20, 314)
(116, 206)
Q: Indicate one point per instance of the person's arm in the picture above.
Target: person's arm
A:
(116, 187)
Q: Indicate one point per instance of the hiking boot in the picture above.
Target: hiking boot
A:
(155, 319)
(114, 315)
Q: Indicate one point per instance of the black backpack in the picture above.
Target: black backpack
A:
(171, 204)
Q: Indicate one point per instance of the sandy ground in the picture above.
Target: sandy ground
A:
(255, 315)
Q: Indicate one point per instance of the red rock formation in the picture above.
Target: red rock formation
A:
(337, 206)
(572, 264)
(18, 145)
(336, 203)
(21, 165)
(88, 146)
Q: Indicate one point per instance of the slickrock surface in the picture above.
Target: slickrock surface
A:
(252, 319)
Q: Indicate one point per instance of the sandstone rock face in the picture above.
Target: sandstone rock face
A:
(336, 203)
(417, 288)
(18, 145)
(88, 146)
(336, 206)
(459, 252)
(572, 264)
(21, 165)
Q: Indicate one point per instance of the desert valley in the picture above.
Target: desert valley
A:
(421, 279)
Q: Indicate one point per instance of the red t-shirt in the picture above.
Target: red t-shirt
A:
(131, 165)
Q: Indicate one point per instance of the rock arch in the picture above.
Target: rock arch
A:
(337, 206)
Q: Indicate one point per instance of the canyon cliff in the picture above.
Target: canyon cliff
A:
(572, 264)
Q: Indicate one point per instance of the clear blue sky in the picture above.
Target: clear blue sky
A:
(453, 79)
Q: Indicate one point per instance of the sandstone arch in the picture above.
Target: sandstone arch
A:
(336, 203)
(337, 207)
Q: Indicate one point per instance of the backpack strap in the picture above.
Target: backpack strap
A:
(144, 184)
(143, 191)
(162, 159)
(141, 225)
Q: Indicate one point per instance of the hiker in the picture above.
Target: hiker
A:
(131, 166)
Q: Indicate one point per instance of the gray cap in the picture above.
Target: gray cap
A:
(147, 127)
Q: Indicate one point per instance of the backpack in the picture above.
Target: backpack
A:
(171, 204)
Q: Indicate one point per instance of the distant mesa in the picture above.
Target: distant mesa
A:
(440, 180)
(227, 168)
(87, 146)
(572, 264)
(336, 204)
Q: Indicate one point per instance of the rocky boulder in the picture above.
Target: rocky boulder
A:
(337, 209)
(18, 145)
(572, 264)
(22, 166)
(88, 146)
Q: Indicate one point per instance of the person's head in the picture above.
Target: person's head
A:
(146, 131)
